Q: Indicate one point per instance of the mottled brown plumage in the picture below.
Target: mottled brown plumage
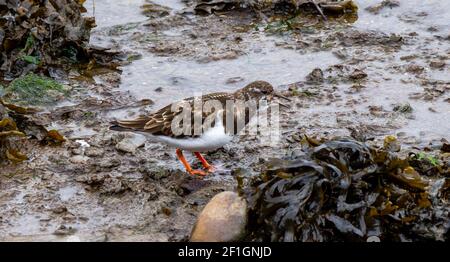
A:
(159, 123)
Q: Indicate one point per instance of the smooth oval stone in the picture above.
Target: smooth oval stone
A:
(223, 219)
(131, 142)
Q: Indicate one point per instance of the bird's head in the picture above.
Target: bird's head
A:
(260, 89)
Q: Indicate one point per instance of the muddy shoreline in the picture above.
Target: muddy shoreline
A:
(347, 78)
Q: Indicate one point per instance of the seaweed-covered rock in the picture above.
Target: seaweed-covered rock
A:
(33, 90)
(328, 6)
(35, 35)
(153, 10)
(344, 190)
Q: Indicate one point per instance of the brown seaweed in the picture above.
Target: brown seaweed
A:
(17, 123)
(323, 8)
(344, 190)
(37, 35)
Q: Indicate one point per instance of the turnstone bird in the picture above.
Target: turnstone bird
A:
(215, 134)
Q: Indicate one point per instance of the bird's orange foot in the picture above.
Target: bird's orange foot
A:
(210, 169)
(197, 172)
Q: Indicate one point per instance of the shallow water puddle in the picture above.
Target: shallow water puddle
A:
(182, 78)
(422, 122)
(66, 193)
(76, 130)
(175, 5)
(112, 12)
(410, 16)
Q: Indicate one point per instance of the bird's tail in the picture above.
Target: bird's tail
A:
(129, 125)
(116, 127)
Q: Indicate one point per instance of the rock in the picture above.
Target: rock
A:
(113, 185)
(154, 10)
(94, 152)
(79, 159)
(94, 179)
(108, 163)
(131, 142)
(223, 219)
(375, 9)
(373, 239)
(358, 74)
(357, 87)
(408, 57)
(190, 185)
(166, 211)
(315, 76)
(341, 54)
(77, 151)
(437, 64)
(414, 68)
(228, 55)
(403, 108)
(445, 148)
(64, 230)
(234, 80)
(392, 144)
(59, 209)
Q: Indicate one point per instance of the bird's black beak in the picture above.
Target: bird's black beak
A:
(283, 97)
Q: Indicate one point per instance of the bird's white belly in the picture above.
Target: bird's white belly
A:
(212, 139)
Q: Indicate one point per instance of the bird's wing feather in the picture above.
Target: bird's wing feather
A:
(134, 124)
(160, 122)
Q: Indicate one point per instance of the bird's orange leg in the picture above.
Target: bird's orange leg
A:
(187, 166)
(205, 163)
